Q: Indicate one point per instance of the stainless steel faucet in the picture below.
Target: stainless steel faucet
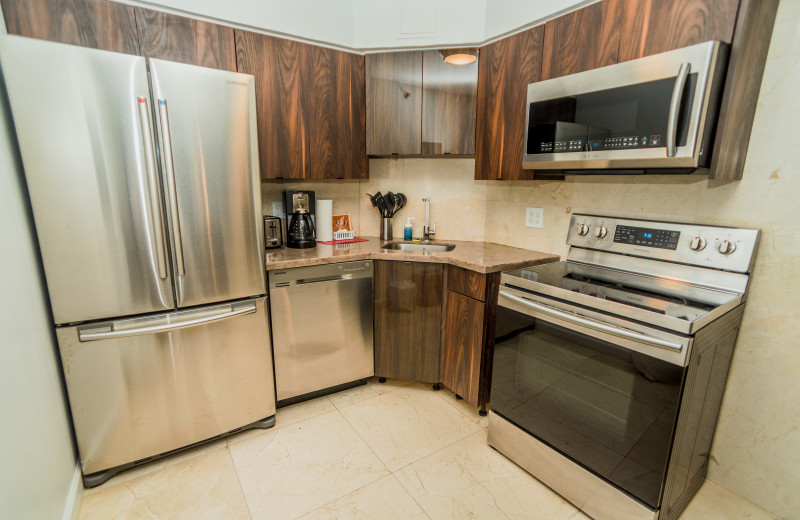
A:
(427, 230)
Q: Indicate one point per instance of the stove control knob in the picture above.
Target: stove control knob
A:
(600, 231)
(583, 230)
(726, 247)
(697, 244)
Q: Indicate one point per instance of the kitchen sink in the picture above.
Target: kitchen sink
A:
(416, 246)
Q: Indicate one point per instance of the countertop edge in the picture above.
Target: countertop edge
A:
(530, 257)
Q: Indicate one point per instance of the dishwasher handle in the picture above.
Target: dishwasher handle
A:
(323, 279)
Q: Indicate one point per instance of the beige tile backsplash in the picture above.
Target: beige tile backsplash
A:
(756, 452)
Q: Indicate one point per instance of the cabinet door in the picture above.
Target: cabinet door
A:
(449, 96)
(408, 317)
(652, 26)
(89, 23)
(175, 38)
(505, 69)
(582, 40)
(283, 102)
(394, 103)
(463, 346)
(338, 126)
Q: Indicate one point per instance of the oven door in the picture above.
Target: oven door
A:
(602, 394)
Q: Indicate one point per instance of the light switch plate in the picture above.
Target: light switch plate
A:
(534, 217)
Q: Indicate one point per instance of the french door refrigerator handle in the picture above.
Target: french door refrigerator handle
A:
(674, 109)
(89, 335)
(602, 327)
(152, 180)
(166, 139)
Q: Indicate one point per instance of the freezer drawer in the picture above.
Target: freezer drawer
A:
(321, 326)
(144, 386)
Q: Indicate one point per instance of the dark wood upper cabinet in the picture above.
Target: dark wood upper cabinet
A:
(742, 85)
(651, 26)
(505, 69)
(175, 38)
(408, 319)
(394, 103)
(449, 96)
(338, 121)
(90, 23)
(582, 40)
(282, 102)
(309, 105)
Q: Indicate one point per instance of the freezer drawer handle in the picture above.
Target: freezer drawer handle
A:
(602, 327)
(89, 335)
(674, 109)
(166, 139)
(152, 180)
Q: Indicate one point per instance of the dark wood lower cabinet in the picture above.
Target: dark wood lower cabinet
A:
(408, 320)
(468, 333)
(462, 345)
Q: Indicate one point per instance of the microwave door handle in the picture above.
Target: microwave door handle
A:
(674, 109)
(602, 327)
(152, 181)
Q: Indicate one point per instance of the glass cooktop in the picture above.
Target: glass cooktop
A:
(622, 293)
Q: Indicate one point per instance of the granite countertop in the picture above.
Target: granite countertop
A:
(482, 257)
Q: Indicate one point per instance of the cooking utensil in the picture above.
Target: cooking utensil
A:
(384, 207)
(389, 198)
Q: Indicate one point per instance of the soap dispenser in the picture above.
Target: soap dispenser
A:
(408, 230)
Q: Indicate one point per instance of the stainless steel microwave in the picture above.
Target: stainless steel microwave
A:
(651, 115)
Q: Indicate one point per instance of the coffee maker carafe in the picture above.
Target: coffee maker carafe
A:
(299, 206)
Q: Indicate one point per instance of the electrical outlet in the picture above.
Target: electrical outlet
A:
(277, 209)
(534, 217)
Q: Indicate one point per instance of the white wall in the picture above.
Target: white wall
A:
(503, 16)
(329, 21)
(364, 25)
(381, 24)
(37, 461)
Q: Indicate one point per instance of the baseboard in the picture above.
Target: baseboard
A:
(73, 504)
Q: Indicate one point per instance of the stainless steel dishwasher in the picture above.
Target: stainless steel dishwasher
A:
(321, 328)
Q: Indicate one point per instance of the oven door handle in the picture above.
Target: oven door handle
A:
(602, 327)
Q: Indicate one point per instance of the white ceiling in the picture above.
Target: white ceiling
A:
(366, 25)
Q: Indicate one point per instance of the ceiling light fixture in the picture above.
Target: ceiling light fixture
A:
(459, 56)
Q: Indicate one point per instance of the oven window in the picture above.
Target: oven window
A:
(604, 407)
(629, 117)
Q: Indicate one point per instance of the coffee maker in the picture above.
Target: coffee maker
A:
(299, 206)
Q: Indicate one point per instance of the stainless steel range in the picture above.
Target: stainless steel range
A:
(609, 368)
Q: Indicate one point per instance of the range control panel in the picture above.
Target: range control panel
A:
(718, 247)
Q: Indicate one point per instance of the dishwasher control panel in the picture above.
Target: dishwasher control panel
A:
(319, 273)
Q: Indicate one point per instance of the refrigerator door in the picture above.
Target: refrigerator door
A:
(207, 133)
(144, 386)
(85, 137)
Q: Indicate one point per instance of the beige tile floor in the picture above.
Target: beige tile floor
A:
(390, 451)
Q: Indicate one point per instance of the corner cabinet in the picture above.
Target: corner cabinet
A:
(470, 305)
(408, 319)
(419, 105)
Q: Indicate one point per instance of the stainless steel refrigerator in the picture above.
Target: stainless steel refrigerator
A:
(143, 179)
